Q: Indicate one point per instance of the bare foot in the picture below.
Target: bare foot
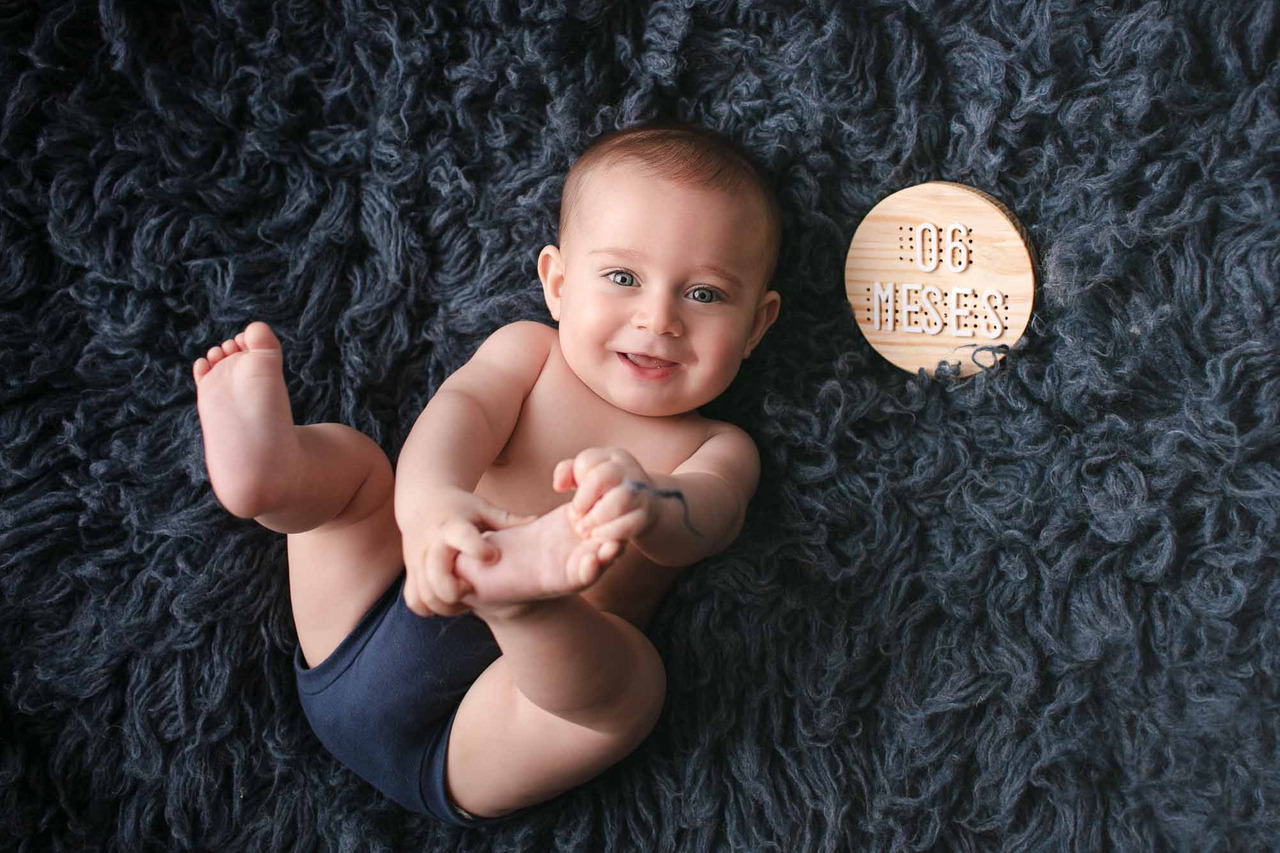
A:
(250, 445)
(540, 560)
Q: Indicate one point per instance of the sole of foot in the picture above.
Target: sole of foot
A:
(540, 560)
(251, 447)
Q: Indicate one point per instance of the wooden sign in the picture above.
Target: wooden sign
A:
(936, 271)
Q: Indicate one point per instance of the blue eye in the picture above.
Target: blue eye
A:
(622, 277)
(713, 297)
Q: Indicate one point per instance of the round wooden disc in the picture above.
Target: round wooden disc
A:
(935, 272)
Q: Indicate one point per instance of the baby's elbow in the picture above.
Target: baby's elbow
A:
(737, 521)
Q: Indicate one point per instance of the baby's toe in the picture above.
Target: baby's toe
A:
(589, 568)
(200, 368)
(258, 335)
(583, 567)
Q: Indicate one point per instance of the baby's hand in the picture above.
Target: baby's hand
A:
(449, 524)
(615, 497)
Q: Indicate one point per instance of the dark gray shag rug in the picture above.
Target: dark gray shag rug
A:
(1038, 609)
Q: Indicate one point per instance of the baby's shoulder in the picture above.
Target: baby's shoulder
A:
(507, 364)
(524, 344)
(725, 440)
(529, 331)
(713, 428)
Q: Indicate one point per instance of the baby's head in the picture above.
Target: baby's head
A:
(668, 242)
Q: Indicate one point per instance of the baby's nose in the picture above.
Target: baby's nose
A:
(658, 316)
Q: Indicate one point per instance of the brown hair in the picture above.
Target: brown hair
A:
(684, 154)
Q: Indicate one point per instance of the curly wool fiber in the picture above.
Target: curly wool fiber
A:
(1036, 609)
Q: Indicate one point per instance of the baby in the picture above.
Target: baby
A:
(549, 457)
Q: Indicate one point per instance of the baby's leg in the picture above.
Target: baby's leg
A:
(575, 691)
(326, 485)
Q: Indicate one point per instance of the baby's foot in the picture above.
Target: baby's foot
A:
(542, 559)
(250, 445)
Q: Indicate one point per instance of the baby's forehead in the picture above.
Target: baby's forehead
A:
(606, 174)
(602, 182)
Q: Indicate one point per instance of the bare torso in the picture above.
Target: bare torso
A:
(561, 417)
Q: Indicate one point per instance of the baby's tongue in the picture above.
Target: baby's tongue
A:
(645, 361)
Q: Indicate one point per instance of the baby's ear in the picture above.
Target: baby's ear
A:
(766, 313)
(551, 271)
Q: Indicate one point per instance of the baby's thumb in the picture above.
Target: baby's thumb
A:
(499, 518)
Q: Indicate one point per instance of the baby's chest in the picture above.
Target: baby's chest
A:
(557, 423)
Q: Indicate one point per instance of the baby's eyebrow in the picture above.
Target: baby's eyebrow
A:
(715, 270)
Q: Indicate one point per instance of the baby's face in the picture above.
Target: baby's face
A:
(652, 267)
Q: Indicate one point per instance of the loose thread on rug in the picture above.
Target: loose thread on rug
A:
(637, 486)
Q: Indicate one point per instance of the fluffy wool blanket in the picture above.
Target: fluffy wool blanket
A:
(1034, 609)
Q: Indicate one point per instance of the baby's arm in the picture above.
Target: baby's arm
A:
(454, 441)
(675, 520)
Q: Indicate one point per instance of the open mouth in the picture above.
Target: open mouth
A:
(647, 367)
(646, 361)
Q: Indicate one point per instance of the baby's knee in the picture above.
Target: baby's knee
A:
(652, 709)
(648, 689)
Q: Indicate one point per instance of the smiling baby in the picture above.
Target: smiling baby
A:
(471, 629)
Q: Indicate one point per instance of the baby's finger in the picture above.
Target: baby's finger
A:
(562, 477)
(497, 518)
(587, 461)
(622, 528)
(613, 504)
(468, 540)
(601, 479)
(412, 598)
(440, 577)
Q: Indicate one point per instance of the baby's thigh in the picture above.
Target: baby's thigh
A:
(340, 569)
(505, 753)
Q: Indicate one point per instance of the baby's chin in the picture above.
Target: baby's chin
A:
(649, 407)
(656, 412)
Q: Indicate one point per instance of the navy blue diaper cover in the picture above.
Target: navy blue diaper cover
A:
(384, 701)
